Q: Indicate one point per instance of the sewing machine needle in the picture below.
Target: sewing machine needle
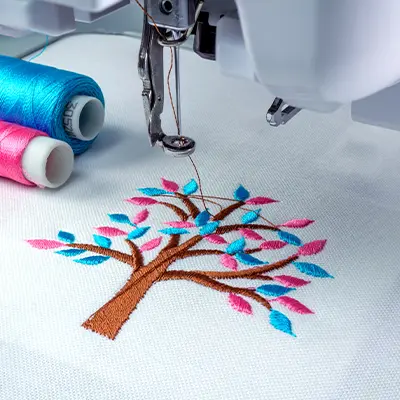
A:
(177, 87)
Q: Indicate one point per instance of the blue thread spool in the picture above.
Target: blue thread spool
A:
(39, 97)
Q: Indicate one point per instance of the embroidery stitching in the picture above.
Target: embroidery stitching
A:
(183, 236)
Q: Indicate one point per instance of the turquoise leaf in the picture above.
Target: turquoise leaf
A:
(289, 238)
(236, 246)
(174, 231)
(70, 252)
(121, 218)
(102, 241)
(66, 237)
(241, 194)
(153, 191)
(138, 232)
(251, 216)
(190, 188)
(92, 260)
(209, 228)
(247, 259)
(312, 270)
(281, 322)
(202, 218)
(273, 290)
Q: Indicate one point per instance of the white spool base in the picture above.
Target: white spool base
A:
(83, 117)
(47, 162)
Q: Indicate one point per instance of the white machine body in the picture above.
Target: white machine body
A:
(313, 54)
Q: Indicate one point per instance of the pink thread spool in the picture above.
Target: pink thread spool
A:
(32, 158)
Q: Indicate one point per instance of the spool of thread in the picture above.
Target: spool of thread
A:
(65, 105)
(32, 158)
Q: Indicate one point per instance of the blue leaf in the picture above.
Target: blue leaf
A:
(70, 252)
(121, 218)
(289, 238)
(92, 260)
(247, 259)
(273, 290)
(102, 241)
(66, 237)
(174, 231)
(202, 218)
(241, 194)
(153, 191)
(312, 270)
(138, 232)
(281, 322)
(236, 246)
(209, 228)
(251, 216)
(191, 187)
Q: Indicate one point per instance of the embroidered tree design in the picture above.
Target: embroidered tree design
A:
(182, 239)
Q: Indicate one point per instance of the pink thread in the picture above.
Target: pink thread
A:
(14, 139)
(170, 186)
(297, 223)
(290, 281)
(110, 232)
(216, 239)
(44, 244)
(142, 201)
(151, 244)
(181, 224)
(229, 262)
(239, 304)
(309, 249)
(293, 305)
(250, 234)
(141, 216)
(272, 245)
(255, 201)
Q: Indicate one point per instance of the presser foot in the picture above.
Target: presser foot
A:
(177, 146)
(280, 113)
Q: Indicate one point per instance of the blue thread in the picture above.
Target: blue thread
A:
(35, 96)
(138, 232)
(312, 270)
(71, 252)
(102, 241)
(121, 218)
(190, 187)
(273, 290)
(236, 246)
(92, 260)
(66, 237)
(241, 194)
(209, 228)
(202, 218)
(281, 322)
(153, 191)
(174, 231)
(289, 238)
(41, 52)
(247, 259)
(251, 216)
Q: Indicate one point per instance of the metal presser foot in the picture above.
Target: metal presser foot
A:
(151, 71)
(280, 113)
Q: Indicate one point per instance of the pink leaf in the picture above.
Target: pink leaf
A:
(152, 244)
(170, 186)
(239, 304)
(297, 223)
(181, 224)
(273, 245)
(142, 201)
(44, 244)
(141, 216)
(312, 248)
(229, 262)
(250, 234)
(255, 201)
(290, 281)
(110, 232)
(293, 305)
(216, 239)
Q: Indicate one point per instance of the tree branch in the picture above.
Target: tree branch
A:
(137, 256)
(227, 211)
(229, 228)
(177, 210)
(203, 280)
(173, 242)
(250, 273)
(118, 255)
(192, 208)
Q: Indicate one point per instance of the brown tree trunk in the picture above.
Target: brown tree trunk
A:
(110, 318)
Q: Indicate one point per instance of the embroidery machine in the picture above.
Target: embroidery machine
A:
(311, 54)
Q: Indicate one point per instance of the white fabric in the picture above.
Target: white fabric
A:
(184, 341)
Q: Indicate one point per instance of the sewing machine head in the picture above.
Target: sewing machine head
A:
(311, 54)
